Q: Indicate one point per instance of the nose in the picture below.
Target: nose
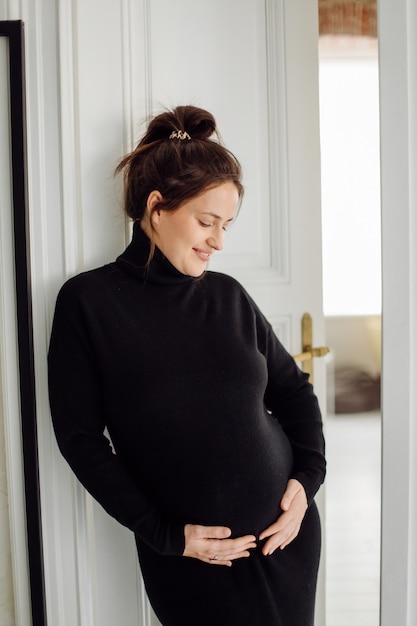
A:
(216, 241)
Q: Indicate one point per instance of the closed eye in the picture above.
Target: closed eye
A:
(204, 224)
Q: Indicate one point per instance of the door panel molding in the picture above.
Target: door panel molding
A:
(398, 105)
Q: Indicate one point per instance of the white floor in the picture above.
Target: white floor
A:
(352, 521)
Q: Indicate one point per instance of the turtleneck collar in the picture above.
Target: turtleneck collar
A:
(134, 261)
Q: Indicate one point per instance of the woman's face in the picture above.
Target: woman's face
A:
(189, 235)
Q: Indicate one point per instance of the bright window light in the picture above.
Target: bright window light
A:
(350, 185)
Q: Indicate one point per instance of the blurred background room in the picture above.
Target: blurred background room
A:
(349, 120)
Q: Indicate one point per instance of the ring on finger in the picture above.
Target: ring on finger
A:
(214, 558)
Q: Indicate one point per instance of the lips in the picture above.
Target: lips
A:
(204, 256)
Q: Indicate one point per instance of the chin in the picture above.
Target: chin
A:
(194, 272)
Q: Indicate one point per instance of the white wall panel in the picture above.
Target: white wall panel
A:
(398, 100)
(98, 92)
(49, 267)
(225, 57)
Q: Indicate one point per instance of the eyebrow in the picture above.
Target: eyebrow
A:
(217, 217)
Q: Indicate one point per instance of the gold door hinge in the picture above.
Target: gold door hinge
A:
(308, 352)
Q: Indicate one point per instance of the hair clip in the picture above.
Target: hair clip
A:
(179, 134)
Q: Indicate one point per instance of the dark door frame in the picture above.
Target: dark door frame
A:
(14, 32)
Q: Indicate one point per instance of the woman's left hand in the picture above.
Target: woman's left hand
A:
(286, 528)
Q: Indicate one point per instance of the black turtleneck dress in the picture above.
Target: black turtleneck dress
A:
(208, 417)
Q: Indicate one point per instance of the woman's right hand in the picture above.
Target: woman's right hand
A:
(211, 544)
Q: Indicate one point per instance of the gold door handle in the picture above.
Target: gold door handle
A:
(309, 353)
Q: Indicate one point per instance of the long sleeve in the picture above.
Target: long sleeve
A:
(78, 414)
(291, 399)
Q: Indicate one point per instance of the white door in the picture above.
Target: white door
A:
(253, 64)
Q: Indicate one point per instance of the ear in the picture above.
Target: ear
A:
(153, 199)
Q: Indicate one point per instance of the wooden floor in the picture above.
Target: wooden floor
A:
(352, 520)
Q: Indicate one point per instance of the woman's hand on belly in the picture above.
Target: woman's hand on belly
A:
(211, 544)
(286, 528)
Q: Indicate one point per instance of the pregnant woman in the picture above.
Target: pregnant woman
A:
(216, 437)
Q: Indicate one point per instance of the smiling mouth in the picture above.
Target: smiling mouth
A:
(204, 256)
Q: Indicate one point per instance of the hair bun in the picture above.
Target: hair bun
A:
(198, 123)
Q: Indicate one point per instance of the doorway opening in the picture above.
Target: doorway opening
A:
(349, 131)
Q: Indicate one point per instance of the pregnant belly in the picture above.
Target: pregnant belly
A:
(228, 481)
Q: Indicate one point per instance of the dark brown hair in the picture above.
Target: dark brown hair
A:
(178, 168)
